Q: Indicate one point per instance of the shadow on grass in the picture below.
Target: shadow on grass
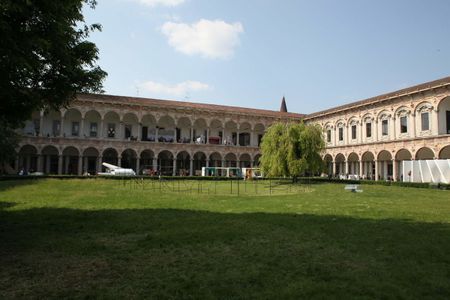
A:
(162, 253)
(10, 184)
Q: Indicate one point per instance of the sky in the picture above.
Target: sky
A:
(251, 53)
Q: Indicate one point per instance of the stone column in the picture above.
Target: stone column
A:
(99, 164)
(192, 135)
(207, 135)
(237, 138)
(138, 165)
(66, 164)
(376, 169)
(100, 134)
(82, 128)
(393, 132)
(17, 167)
(139, 133)
(223, 163)
(334, 167)
(41, 123)
(346, 167)
(251, 139)
(191, 167)
(174, 167)
(361, 132)
(121, 134)
(119, 161)
(155, 164)
(157, 135)
(434, 121)
(80, 165)
(61, 129)
(376, 129)
(85, 165)
(413, 127)
(394, 169)
(360, 168)
(60, 162)
(207, 163)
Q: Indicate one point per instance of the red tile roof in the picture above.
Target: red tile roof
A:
(188, 105)
(417, 88)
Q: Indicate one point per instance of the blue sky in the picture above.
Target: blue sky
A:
(318, 54)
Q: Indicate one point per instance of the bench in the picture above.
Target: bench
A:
(354, 188)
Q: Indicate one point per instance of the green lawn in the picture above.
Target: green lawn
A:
(104, 239)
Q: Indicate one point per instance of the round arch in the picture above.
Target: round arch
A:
(111, 125)
(72, 122)
(129, 159)
(110, 156)
(443, 109)
(148, 131)
(70, 162)
(215, 159)
(245, 130)
(92, 120)
(166, 129)
(245, 160)
(328, 162)
(165, 163)
(424, 153)
(130, 126)
(90, 160)
(353, 164)
(340, 164)
(445, 152)
(28, 156)
(146, 165)
(199, 161)
(230, 160)
(50, 155)
(256, 160)
(385, 166)
(215, 132)
(183, 163)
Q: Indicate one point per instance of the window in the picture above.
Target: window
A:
(353, 132)
(425, 121)
(384, 127)
(93, 129)
(403, 124)
(75, 128)
(341, 134)
(111, 130)
(368, 130)
(329, 135)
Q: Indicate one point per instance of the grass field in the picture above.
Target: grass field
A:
(104, 239)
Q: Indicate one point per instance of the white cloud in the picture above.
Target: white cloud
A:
(179, 89)
(212, 39)
(152, 3)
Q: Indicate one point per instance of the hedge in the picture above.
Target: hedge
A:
(305, 180)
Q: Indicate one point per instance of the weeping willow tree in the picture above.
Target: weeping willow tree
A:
(291, 149)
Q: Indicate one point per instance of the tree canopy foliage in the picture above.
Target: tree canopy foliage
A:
(291, 149)
(45, 57)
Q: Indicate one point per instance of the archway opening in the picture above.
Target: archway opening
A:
(183, 163)
(165, 163)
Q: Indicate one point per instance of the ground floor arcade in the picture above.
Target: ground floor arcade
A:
(378, 165)
(71, 160)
